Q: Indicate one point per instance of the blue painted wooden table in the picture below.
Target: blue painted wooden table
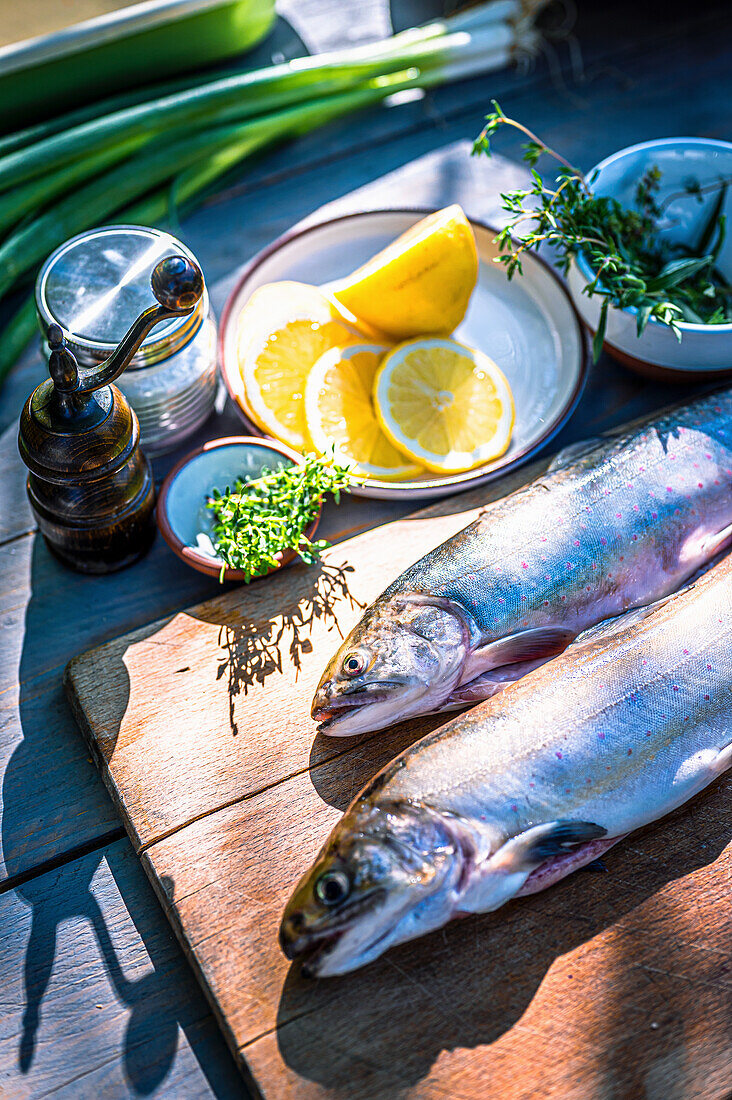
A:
(96, 997)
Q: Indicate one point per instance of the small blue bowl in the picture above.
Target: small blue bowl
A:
(183, 517)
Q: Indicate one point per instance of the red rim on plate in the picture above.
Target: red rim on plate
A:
(189, 554)
(428, 487)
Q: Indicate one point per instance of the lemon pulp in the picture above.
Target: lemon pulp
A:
(340, 414)
(283, 330)
(421, 283)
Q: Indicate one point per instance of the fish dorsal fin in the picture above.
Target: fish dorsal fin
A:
(503, 874)
(572, 453)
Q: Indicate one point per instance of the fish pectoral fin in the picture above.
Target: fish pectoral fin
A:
(702, 548)
(532, 847)
(528, 645)
(723, 761)
(502, 875)
(489, 683)
(698, 769)
(715, 542)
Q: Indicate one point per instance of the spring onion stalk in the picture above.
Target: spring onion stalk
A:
(227, 100)
(19, 201)
(17, 334)
(98, 199)
(20, 139)
(155, 208)
(223, 148)
(245, 95)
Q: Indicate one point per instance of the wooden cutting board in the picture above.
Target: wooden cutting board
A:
(610, 985)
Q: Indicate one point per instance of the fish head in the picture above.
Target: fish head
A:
(403, 658)
(388, 873)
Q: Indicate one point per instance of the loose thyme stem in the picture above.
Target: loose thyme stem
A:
(488, 130)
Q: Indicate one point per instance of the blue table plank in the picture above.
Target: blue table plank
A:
(99, 1001)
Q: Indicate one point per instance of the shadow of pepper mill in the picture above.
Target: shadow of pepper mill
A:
(90, 486)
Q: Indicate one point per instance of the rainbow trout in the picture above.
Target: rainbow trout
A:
(633, 719)
(614, 523)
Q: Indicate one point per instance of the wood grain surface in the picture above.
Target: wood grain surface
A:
(216, 700)
(204, 740)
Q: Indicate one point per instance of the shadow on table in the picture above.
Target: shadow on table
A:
(641, 1012)
(249, 655)
(165, 1000)
(160, 1004)
(255, 648)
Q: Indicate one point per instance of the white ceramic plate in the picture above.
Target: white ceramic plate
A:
(528, 326)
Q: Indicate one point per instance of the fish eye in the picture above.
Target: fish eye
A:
(332, 888)
(355, 662)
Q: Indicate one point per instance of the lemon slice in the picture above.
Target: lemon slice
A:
(445, 406)
(340, 413)
(283, 330)
(421, 283)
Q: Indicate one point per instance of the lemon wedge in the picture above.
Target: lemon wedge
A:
(340, 414)
(283, 330)
(445, 406)
(421, 283)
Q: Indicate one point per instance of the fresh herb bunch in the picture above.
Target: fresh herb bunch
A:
(263, 516)
(633, 265)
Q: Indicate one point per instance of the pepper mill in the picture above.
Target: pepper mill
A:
(90, 486)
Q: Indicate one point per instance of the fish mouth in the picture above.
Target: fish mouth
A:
(338, 710)
(312, 948)
(317, 952)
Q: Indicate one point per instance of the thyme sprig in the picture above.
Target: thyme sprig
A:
(259, 518)
(632, 264)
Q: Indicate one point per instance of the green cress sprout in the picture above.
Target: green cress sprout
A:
(263, 516)
(633, 265)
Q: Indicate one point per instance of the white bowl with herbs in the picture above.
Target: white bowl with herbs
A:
(240, 508)
(645, 242)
